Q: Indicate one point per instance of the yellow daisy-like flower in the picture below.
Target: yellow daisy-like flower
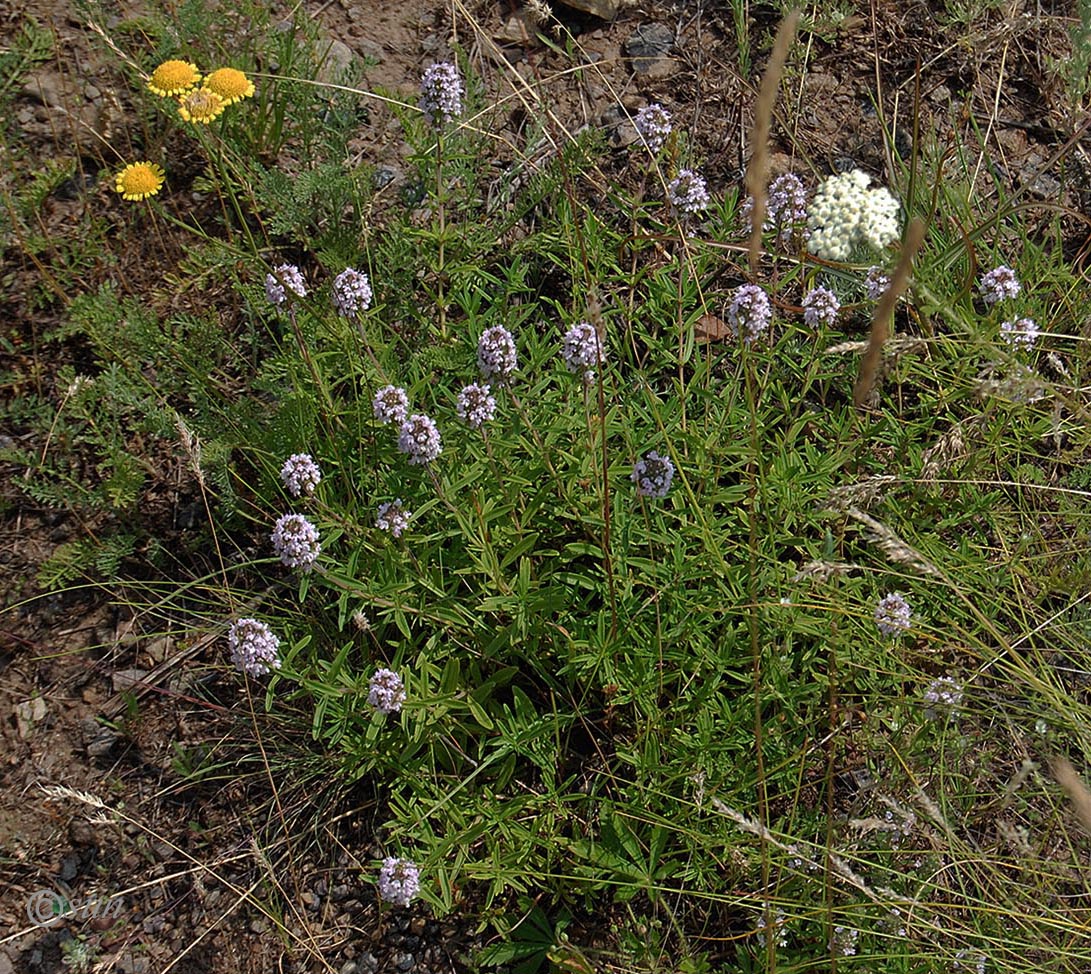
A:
(230, 84)
(173, 78)
(139, 180)
(200, 105)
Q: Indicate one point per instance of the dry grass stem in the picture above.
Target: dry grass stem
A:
(1078, 793)
(884, 314)
(757, 170)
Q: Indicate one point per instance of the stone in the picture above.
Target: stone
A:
(28, 713)
(647, 46)
(340, 65)
(517, 29)
(159, 648)
(127, 679)
(603, 9)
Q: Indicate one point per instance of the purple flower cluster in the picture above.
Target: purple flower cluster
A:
(943, 697)
(391, 405)
(351, 292)
(687, 193)
(785, 207)
(399, 881)
(393, 518)
(475, 405)
(820, 307)
(787, 203)
(283, 279)
(300, 474)
(295, 541)
(582, 349)
(653, 475)
(892, 614)
(998, 284)
(254, 648)
(1020, 331)
(419, 438)
(843, 940)
(749, 313)
(876, 282)
(441, 92)
(496, 354)
(653, 125)
(386, 692)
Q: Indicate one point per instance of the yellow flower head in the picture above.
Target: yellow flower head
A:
(139, 180)
(200, 105)
(173, 78)
(230, 84)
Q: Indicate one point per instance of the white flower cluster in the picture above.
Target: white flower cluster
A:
(846, 213)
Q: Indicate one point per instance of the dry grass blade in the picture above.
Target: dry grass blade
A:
(1076, 790)
(758, 168)
(884, 313)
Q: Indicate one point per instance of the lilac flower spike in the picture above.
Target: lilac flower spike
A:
(786, 207)
(300, 474)
(284, 278)
(496, 353)
(386, 692)
(749, 313)
(351, 292)
(653, 125)
(820, 307)
(998, 284)
(1021, 331)
(892, 614)
(391, 405)
(582, 349)
(399, 881)
(943, 697)
(475, 405)
(419, 438)
(653, 475)
(441, 93)
(876, 281)
(687, 193)
(254, 648)
(393, 518)
(295, 541)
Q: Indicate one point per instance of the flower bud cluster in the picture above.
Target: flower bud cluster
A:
(295, 541)
(351, 292)
(441, 93)
(300, 474)
(653, 125)
(254, 647)
(386, 692)
(475, 405)
(653, 475)
(749, 313)
(687, 193)
(393, 518)
(892, 614)
(283, 279)
(582, 349)
(496, 353)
